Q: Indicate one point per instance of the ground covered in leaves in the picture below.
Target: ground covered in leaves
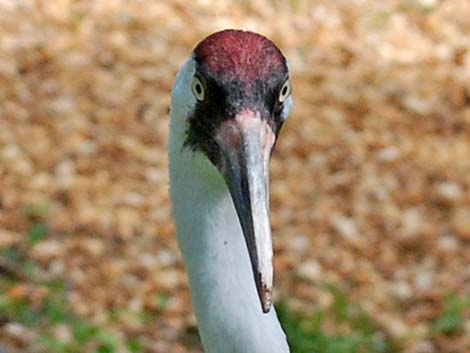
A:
(370, 181)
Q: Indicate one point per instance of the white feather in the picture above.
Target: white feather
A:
(223, 290)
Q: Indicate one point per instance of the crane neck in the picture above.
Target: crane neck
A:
(210, 237)
(223, 291)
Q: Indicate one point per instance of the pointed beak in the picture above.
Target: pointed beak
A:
(246, 142)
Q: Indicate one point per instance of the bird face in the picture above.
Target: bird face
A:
(241, 92)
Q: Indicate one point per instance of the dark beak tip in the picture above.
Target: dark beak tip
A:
(266, 299)
(267, 309)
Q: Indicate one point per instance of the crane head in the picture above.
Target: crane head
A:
(242, 97)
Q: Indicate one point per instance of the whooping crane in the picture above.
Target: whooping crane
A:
(229, 102)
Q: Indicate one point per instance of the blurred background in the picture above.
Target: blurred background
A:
(370, 180)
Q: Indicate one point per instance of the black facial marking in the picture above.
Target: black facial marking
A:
(224, 97)
(227, 93)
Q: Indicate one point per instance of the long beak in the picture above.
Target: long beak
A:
(246, 142)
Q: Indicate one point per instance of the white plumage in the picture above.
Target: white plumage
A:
(223, 292)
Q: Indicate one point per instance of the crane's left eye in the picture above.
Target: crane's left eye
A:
(285, 91)
(198, 88)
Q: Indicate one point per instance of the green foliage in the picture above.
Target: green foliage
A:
(37, 212)
(162, 300)
(452, 317)
(134, 346)
(18, 309)
(52, 345)
(107, 343)
(84, 332)
(415, 5)
(377, 20)
(306, 333)
(43, 317)
(54, 311)
(10, 255)
(37, 233)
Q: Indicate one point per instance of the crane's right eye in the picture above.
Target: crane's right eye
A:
(198, 88)
(285, 91)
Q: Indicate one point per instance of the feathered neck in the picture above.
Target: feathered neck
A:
(223, 292)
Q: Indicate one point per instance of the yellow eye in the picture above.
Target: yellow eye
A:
(285, 91)
(197, 88)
